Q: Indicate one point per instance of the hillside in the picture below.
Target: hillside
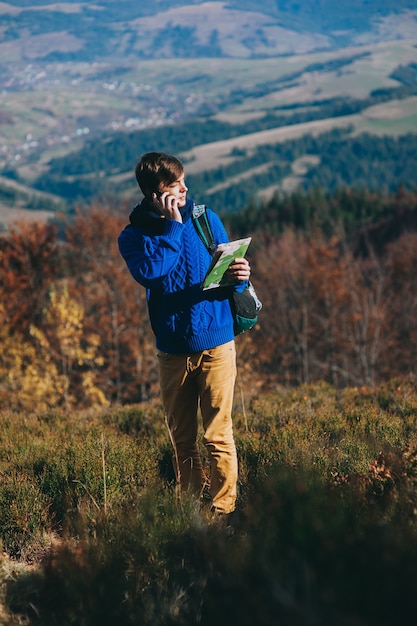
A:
(92, 84)
(79, 31)
(244, 127)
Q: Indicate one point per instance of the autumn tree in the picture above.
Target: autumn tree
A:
(285, 319)
(28, 264)
(75, 351)
(75, 326)
(327, 313)
(29, 377)
(329, 298)
(115, 305)
(367, 330)
(402, 267)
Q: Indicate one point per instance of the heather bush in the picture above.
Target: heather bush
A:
(56, 469)
(325, 531)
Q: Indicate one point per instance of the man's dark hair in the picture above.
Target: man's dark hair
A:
(155, 168)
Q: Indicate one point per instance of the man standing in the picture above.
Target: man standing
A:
(193, 328)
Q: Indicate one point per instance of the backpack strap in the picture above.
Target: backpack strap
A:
(203, 228)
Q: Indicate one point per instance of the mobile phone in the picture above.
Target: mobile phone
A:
(158, 193)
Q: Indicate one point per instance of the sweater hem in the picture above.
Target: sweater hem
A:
(204, 341)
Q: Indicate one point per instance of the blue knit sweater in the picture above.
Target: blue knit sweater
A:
(169, 259)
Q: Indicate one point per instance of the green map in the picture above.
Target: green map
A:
(225, 254)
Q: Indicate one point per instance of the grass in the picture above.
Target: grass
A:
(393, 118)
(325, 531)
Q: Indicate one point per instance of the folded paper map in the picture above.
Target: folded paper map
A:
(224, 255)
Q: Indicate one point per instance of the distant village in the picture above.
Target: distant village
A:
(132, 106)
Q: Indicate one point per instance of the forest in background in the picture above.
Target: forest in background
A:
(336, 274)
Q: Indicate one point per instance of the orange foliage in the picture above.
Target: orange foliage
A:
(28, 264)
(115, 306)
(327, 313)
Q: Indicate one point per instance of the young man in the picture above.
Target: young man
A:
(193, 328)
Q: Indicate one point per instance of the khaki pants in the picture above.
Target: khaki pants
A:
(204, 379)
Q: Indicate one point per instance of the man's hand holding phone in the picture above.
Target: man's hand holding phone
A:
(167, 205)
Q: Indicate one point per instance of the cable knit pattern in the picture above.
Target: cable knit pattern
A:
(170, 260)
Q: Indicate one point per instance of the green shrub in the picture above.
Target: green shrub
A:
(325, 530)
(24, 513)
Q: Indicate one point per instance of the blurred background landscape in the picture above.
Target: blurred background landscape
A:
(255, 99)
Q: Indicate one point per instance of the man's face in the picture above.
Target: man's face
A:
(177, 189)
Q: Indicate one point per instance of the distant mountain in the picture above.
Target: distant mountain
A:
(41, 30)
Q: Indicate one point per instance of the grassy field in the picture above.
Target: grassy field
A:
(325, 530)
(218, 76)
(391, 118)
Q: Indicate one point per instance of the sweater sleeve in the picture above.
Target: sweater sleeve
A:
(150, 259)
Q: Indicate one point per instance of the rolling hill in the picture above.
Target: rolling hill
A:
(110, 30)
(80, 79)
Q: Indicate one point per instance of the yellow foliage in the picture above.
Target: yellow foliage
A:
(38, 376)
(29, 380)
(94, 395)
(66, 317)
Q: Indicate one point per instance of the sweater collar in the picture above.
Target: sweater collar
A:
(144, 211)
